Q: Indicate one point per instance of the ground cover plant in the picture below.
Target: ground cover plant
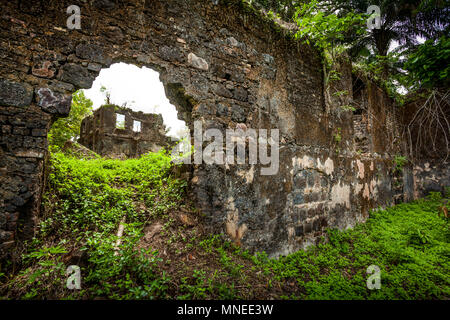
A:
(164, 253)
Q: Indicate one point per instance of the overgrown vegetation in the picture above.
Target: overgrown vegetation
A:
(428, 65)
(392, 54)
(407, 55)
(164, 252)
(84, 206)
(68, 128)
(409, 243)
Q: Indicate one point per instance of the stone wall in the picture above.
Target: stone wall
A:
(223, 65)
(99, 133)
(23, 148)
(429, 177)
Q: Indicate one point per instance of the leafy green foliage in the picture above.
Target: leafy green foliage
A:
(409, 242)
(338, 26)
(399, 163)
(327, 30)
(429, 65)
(86, 202)
(402, 21)
(69, 128)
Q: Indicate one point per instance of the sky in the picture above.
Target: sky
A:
(140, 88)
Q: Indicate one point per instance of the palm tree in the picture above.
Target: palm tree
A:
(403, 21)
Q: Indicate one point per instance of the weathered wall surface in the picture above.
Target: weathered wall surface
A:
(220, 64)
(100, 133)
(429, 177)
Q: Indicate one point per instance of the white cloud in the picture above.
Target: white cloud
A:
(140, 88)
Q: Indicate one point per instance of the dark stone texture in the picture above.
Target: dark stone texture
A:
(240, 94)
(54, 103)
(93, 53)
(299, 231)
(221, 110)
(15, 94)
(107, 5)
(172, 54)
(77, 75)
(238, 113)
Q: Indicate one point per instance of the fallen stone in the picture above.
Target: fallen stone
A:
(151, 231)
(186, 219)
(268, 58)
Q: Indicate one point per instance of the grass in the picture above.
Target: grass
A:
(408, 242)
(165, 253)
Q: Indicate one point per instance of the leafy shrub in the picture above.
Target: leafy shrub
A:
(85, 202)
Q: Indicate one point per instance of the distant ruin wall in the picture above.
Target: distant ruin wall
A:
(222, 65)
(99, 133)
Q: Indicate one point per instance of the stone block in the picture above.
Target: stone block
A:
(222, 91)
(93, 53)
(298, 198)
(39, 132)
(21, 131)
(54, 103)
(197, 62)
(238, 113)
(308, 227)
(171, 54)
(6, 130)
(240, 94)
(15, 94)
(77, 75)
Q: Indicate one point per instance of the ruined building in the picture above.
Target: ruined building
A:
(223, 64)
(118, 132)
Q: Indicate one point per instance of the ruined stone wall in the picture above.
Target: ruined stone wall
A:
(100, 133)
(429, 177)
(220, 64)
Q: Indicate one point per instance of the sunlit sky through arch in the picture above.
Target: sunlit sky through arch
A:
(140, 89)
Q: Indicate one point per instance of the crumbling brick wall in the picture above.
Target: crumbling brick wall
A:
(221, 64)
(23, 148)
(99, 132)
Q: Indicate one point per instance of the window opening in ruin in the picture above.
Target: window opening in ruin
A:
(138, 89)
(120, 121)
(133, 100)
(136, 126)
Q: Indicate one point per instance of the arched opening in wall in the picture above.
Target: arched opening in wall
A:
(131, 114)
